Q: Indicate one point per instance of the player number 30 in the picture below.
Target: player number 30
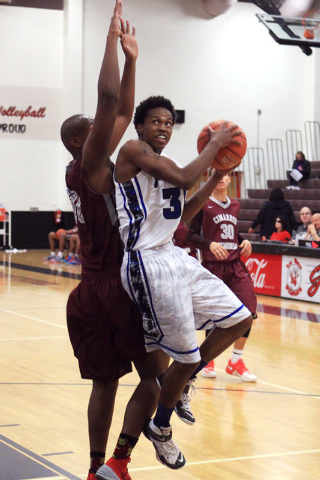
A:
(228, 231)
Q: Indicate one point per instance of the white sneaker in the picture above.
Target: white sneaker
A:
(167, 452)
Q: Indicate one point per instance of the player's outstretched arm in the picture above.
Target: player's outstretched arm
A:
(198, 199)
(127, 90)
(95, 161)
(138, 155)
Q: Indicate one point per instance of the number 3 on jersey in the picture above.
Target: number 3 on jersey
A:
(175, 209)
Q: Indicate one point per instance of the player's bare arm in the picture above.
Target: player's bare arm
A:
(95, 161)
(125, 108)
(194, 204)
(138, 155)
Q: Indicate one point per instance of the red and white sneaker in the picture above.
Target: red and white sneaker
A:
(92, 476)
(241, 371)
(114, 470)
(209, 370)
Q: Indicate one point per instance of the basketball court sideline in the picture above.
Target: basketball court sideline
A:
(268, 429)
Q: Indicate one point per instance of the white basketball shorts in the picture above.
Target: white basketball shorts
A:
(176, 295)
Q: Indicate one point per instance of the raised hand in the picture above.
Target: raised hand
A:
(116, 19)
(128, 40)
(225, 135)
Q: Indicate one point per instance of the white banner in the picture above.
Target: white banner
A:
(30, 113)
(300, 278)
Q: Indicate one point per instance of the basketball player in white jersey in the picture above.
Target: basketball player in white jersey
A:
(172, 289)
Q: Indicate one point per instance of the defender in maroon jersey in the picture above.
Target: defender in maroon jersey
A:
(105, 327)
(214, 230)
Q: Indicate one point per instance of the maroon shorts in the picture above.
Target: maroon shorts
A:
(237, 277)
(105, 329)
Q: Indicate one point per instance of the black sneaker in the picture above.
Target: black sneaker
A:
(182, 407)
(167, 452)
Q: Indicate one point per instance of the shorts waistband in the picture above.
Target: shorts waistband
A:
(155, 251)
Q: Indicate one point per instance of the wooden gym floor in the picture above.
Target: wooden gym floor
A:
(267, 430)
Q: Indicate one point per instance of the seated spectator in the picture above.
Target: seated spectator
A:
(303, 166)
(74, 250)
(305, 217)
(59, 239)
(275, 206)
(179, 239)
(281, 234)
(313, 232)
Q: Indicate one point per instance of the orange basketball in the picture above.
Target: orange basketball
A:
(227, 157)
(58, 232)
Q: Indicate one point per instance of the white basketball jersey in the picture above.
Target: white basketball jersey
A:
(149, 211)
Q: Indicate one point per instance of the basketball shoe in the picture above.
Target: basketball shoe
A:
(91, 476)
(50, 257)
(114, 469)
(167, 452)
(182, 408)
(74, 261)
(68, 258)
(209, 370)
(239, 369)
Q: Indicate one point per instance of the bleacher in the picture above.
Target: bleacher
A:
(308, 195)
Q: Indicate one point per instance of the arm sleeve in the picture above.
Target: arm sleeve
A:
(179, 238)
(240, 239)
(194, 236)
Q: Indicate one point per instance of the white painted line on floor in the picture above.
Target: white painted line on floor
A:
(34, 338)
(47, 478)
(274, 385)
(233, 459)
(36, 319)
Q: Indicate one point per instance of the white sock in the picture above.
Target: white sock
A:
(236, 355)
(60, 254)
(53, 254)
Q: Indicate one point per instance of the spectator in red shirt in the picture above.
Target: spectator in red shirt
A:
(281, 234)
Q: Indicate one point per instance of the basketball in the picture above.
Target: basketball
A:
(59, 232)
(227, 157)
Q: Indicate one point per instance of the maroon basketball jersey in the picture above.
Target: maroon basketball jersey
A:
(219, 224)
(96, 217)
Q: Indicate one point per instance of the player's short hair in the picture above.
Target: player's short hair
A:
(150, 103)
(73, 127)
